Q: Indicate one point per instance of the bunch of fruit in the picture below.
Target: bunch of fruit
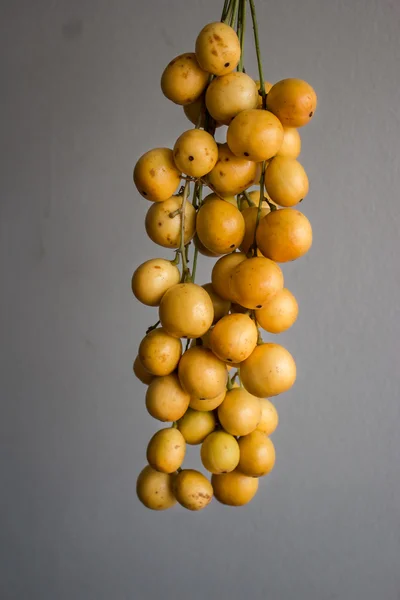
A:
(216, 391)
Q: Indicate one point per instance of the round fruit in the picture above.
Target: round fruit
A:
(154, 489)
(165, 230)
(240, 412)
(234, 338)
(228, 95)
(221, 306)
(152, 279)
(267, 87)
(293, 101)
(284, 235)
(286, 181)
(234, 489)
(141, 373)
(255, 281)
(183, 80)
(255, 134)
(192, 489)
(196, 425)
(220, 452)
(202, 374)
(218, 48)
(270, 370)
(155, 175)
(257, 454)
(166, 450)
(166, 400)
(186, 311)
(232, 175)
(220, 226)
(195, 152)
(222, 270)
(280, 313)
(269, 417)
(291, 145)
(202, 249)
(159, 352)
(250, 220)
(207, 405)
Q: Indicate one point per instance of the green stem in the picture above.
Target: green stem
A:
(182, 249)
(242, 13)
(259, 207)
(225, 10)
(258, 52)
(249, 200)
(234, 13)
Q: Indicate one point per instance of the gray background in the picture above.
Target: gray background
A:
(80, 102)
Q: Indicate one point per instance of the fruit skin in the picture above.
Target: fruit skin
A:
(152, 279)
(159, 352)
(141, 373)
(207, 405)
(232, 175)
(240, 412)
(186, 311)
(257, 454)
(192, 489)
(166, 231)
(284, 235)
(195, 152)
(269, 417)
(166, 450)
(228, 95)
(202, 374)
(154, 489)
(156, 175)
(202, 249)
(218, 48)
(255, 134)
(220, 452)
(231, 199)
(270, 370)
(196, 425)
(253, 282)
(250, 220)
(221, 272)
(293, 101)
(166, 400)
(234, 338)
(183, 80)
(234, 488)
(291, 144)
(279, 313)
(220, 226)
(286, 181)
(221, 306)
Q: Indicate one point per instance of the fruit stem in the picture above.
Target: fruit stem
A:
(152, 327)
(241, 32)
(182, 249)
(258, 52)
(259, 207)
(249, 200)
(225, 10)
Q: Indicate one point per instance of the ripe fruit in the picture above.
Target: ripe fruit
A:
(166, 400)
(240, 412)
(159, 352)
(234, 489)
(250, 220)
(255, 281)
(221, 272)
(186, 310)
(279, 313)
(192, 489)
(207, 405)
(196, 425)
(202, 249)
(220, 305)
(218, 48)
(270, 370)
(156, 175)
(286, 181)
(255, 134)
(165, 230)
(202, 374)
(231, 199)
(284, 235)
(220, 226)
(291, 145)
(183, 80)
(293, 101)
(154, 489)
(220, 452)
(228, 95)
(257, 454)
(195, 152)
(141, 373)
(232, 175)
(234, 338)
(269, 417)
(166, 450)
(152, 279)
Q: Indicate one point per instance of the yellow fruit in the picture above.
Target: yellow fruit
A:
(192, 489)
(195, 152)
(166, 450)
(218, 48)
(207, 405)
(286, 181)
(166, 231)
(152, 279)
(255, 134)
(234, 338)
(222, 270)
(270, 370)
(240, 412)
(257, 454)
(228, 95)
(183, 80)
(154, 489)
(269, 417)
(267, 87)
(255, 281)
(279, 313)
(141, 373)
(291, 145)
(221, 306)
(234, 489)
(155, 175)
(202, 249)
(232, 175)
(284, 235)
(196, 425)
(166, 400)
(220, 226)
(159, 352)
(220, 452)
(186, 310)
(231, 199)
(293, 101)
(250, 220)
(202, 374)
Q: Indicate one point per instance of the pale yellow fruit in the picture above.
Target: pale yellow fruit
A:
(279, 313)
(159, 352)
(166, 400)
(220, 226)
(255, 281)
(240, 412)
(192, 489)
(267, 87)
(255, 134)
(250, 220)
(186, 311)
(196, 425)
(152, 279)
(291, 145)
(293, 101)
(156, 175)
(202, 249)
(166, 231)
(207, 405)
(195, 153)
(228, 95)
(234, 489)
(232, 175)
(218, 48)
(286, 181)
(166, 450)
(201, 373)
(183, 80)
(221, 272)
(234, 338)
(269, 417)
(221, 305)
(154, 489)
(231, 199)
(270, 370)
(141, 373)
(284, 235)
(257, 454)
(220, 452)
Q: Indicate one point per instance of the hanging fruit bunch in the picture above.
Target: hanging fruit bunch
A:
(208, 371)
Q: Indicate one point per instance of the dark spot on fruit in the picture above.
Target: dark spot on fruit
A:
(157, 267)
(259, 306)
(189, 57)
(227, 64)
(232, 246)
(311, 114)
(144, 193)
(159, 224)
(214, 52)
(221, 174)
(185, 74)
(189, 100)
(217, 37)
(191, 158)
(152, 172)
(177, 446)
(246, 153)
(229, 359)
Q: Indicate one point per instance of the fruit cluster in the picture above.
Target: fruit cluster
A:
(216, 391)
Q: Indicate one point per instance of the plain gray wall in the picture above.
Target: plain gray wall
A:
(80, 102)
